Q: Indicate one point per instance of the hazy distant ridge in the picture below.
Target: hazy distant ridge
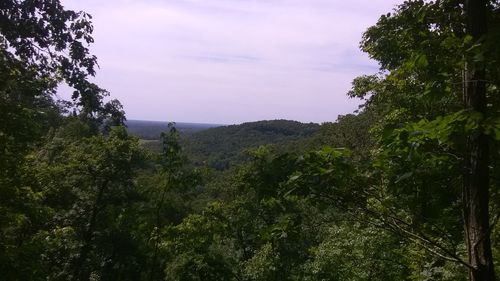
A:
(151, 130)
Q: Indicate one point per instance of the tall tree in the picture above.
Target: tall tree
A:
(42, 44)
(476, 157)
(436, 57)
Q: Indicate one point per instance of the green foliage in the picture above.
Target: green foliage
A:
(271, 226)
(197, 252)
(353, 252)
(88, 183)
(71, 222)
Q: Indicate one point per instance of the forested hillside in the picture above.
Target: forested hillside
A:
(405, 189)
(226, 146)
(221, 147)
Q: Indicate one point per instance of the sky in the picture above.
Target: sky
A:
(231, 61)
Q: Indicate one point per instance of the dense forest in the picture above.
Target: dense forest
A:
(407, 188)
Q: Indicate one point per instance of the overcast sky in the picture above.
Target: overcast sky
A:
(231, 61)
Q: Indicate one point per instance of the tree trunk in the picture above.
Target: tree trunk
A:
(476, 159)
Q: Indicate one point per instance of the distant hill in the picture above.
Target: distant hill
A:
(224, 146)
(151, 130)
